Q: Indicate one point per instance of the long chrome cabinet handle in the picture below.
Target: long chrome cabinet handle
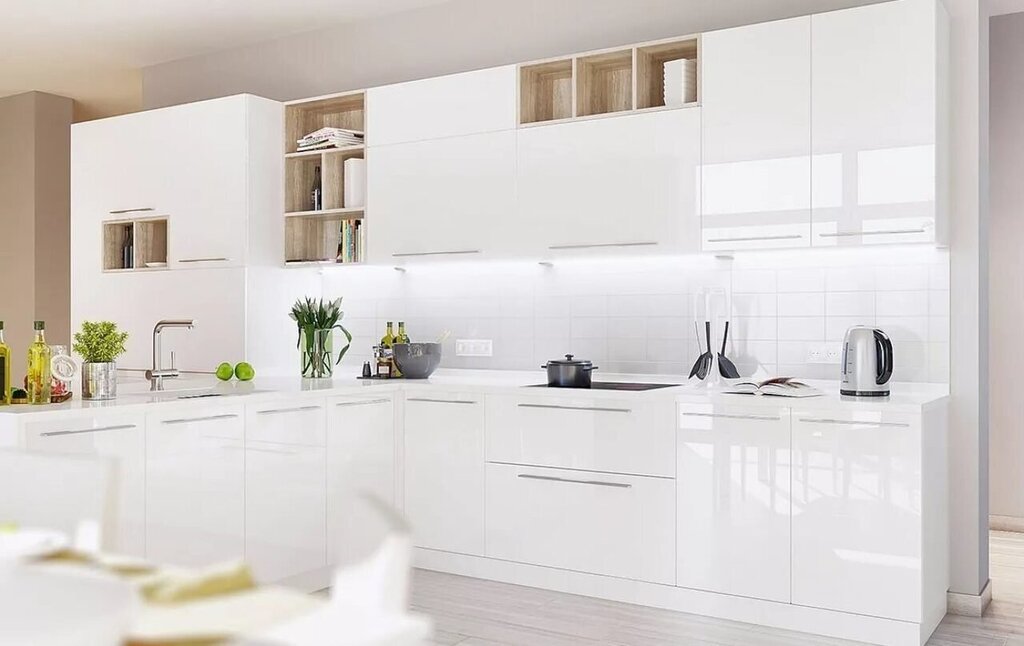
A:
(850, 422)
(596, 483)
(191, 260)
(434, 253)
(600, 245)
(762, 418)
(208, 418)
(298, 409)
(851, 234)
(123, 211)
(582, 408)
(792, 236)
(439, 401)
(368, 402)
(119, 427)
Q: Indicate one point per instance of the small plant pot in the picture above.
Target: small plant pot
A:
(99, 381)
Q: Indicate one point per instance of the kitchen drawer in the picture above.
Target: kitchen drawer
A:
(616, 525)
(287, 421)
(613, 435)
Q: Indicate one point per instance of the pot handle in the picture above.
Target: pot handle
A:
(592, 368)
(544, 367)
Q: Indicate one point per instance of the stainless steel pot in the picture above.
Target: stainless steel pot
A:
(99, 381)
(569, 372)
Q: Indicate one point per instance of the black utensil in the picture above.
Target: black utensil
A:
(708, 358)
(700, 356)
(725, 366)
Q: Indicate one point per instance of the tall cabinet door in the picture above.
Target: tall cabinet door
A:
(756, 97)
(874, 123)
(628, 183)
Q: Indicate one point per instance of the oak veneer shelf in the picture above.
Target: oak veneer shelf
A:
(347, 150)
(337, 111)
(148, 237)
(604, 83)
(353, 213)
(314, 240)
(546, 91)
(650, 66)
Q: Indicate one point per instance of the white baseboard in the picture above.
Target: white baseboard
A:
(969, 605)
(1006, 523)
(830, 623)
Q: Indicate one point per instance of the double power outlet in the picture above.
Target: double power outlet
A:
(825, 353)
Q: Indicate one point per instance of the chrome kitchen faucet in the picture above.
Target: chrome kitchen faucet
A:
(157, 374)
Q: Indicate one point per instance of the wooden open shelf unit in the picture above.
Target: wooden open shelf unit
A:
(315, 238)
(606, 82)
(346, 110)
(149, 242)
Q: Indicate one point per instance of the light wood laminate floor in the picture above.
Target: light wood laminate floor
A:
(473, 612)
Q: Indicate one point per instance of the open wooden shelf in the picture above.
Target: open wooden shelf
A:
(546, 91)
(148, 240)
(339, 111)
(347, 150)
(650, 66)
(312, 240)
(604, 83)
(349, 214)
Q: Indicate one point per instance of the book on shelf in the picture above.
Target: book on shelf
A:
(350, 241)
(775, 387)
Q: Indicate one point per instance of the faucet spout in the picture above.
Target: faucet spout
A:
(157, 373)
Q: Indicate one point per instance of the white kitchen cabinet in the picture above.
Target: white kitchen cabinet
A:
(626, 184)
(756, 172)
(733, 500)
(114, 435)
(195, 485)
(616, 525)
(875, 81)
(444, 470)
(440, 199)
(443, 106)
(285, 488)
(360, 463)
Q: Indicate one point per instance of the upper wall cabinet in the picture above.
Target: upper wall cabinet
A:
(875, 85)
(756, 97)
(627, 185)
(447, 106)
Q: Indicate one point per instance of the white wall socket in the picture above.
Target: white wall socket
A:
(825, 353)
(474, 348)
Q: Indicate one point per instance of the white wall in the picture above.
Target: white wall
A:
(1006, 222)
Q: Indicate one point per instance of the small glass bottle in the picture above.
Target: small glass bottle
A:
(402, 336)
(39, 367)
(5, 369)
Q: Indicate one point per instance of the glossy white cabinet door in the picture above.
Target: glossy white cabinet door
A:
(360, 462)
(118, 436)
(615, 525)
(873, 112)
(444, 106)
(627, 184)
(444, 470)
(195, 485)
(857, 513)
(285, 488)
(442, 199)
(734, 501)
(756, 97)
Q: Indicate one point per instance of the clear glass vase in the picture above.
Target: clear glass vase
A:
(316, 353)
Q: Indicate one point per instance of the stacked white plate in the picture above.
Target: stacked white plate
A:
(680, 81)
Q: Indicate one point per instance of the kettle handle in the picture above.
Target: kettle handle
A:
(885, 357)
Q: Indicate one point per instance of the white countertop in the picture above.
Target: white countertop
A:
(906, 397)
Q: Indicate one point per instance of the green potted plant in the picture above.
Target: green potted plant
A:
(99, 343)
(316, 320)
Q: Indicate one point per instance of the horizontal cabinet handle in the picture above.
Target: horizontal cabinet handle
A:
(192, 260)
(208, 418)
(275, 451)
(596, 483)
(852, 234)
(583, 408)
(362, 403)
(123, 211)
(101, 429)
(850, 422)
(761, 418)
(439, 401)
(601, 245)
(277, 411)
(435, 253)
(788, 236)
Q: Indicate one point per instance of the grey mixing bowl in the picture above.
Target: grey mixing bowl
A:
(417, 360)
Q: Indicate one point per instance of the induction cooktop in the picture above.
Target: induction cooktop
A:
(612, 385)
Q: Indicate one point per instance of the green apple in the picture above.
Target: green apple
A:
(225, 371)
(244, 372)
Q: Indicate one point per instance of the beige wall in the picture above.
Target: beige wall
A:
(35, 249)
(1006, 228)
(97, 92)
(452, 37)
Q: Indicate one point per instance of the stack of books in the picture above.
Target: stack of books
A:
(351, 241)
(329, 138)
(680, 82)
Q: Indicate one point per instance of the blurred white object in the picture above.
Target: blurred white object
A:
(66, 493)
(680, 81)
(354, 191)
(26, 543)
(56, 607)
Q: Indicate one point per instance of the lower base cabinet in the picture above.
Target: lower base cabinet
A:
(622, 526)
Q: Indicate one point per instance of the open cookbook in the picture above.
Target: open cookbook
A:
(775, 387)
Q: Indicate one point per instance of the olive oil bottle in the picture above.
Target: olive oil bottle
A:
(5, 369)
(387, 344)
(39, 367)
(402, 336)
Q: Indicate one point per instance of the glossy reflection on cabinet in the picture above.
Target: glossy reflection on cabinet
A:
(733, 500)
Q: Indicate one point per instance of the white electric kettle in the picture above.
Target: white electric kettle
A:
(867, 363)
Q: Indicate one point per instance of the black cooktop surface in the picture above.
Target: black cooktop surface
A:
(612, 385)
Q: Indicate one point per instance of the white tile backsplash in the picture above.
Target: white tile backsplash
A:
(636, 315)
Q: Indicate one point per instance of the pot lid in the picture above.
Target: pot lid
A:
(569, 361)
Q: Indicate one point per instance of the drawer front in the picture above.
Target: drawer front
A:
(857, 536)
(734, 500)
(613, 435)
(287, 421)
(615, 525)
